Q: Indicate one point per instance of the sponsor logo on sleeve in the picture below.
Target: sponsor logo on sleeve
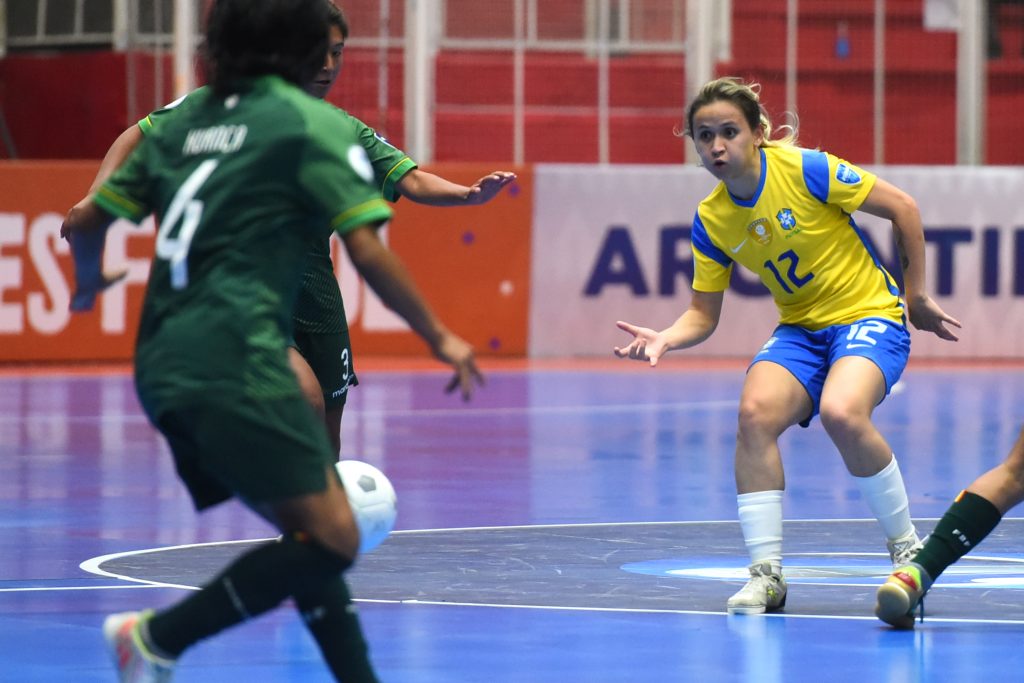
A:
(847, 175)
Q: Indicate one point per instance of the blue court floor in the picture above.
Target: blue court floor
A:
(573, 523)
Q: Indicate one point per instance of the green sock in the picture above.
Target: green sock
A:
(966, 523)
(331, 618)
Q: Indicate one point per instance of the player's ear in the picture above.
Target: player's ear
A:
(759, 136)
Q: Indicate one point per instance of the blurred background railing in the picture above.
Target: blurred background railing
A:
(588, 81)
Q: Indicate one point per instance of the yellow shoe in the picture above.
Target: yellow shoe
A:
(900, 595)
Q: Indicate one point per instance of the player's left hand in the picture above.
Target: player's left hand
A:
(485, 189)
(458, 353)
(925, 315)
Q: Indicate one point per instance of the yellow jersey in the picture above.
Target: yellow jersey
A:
(797, 233)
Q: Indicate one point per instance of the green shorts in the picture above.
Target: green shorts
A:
(260, 451)
(330, 357)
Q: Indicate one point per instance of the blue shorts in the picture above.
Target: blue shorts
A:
(809, 355)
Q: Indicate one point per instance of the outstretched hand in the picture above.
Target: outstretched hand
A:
(485, 189)
(458, 353)
(647, 344)
(926, 316)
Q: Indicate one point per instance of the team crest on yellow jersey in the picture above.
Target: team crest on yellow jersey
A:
(761, 231)
(786, 219)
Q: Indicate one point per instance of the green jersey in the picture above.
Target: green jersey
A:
(319, 308)
(241, 186)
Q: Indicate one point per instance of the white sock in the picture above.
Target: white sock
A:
(887, 497)
(761, 521)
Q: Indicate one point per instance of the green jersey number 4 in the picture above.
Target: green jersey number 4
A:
(180, 222)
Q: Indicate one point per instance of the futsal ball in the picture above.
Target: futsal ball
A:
(373, 501)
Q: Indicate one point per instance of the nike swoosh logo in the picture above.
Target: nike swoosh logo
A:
(738, 246)
(858, 346)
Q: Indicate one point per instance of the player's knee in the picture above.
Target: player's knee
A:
(839, 420)
(325, 558)
(757, 421)
(345, 542)
(341, 535)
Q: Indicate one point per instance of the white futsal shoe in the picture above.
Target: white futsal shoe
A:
(902, 550)
(764, 592)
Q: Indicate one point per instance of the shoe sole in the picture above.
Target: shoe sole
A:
(754, 609)
(893, 607)
(757, 609)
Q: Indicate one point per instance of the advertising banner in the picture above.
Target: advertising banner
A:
(544, 270)
(471, 263)
(612, 243)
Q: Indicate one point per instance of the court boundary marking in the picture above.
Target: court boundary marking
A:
(92, 566)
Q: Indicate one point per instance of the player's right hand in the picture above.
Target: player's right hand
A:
(647, 344)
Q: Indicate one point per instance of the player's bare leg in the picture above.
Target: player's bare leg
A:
(772, 401)
(853, 388)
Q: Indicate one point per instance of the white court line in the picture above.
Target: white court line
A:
(686, 522)
(43, 589)
(945, 620)
(93, 566)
